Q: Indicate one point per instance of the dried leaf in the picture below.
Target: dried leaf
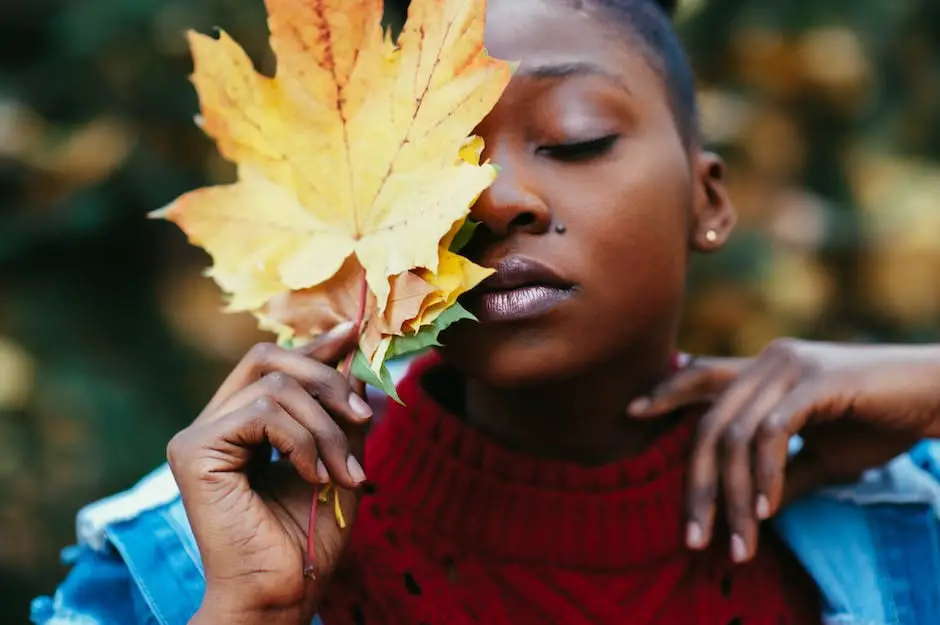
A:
(300, 315)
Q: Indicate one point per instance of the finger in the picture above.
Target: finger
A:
(745, 502)
(357, 386)
(261, 357)
(772, 451)
(331, 347)
(685, 387)
(324, 383)
(738, 492)
(704, 471)
(206, 451)
(786, 420)
(839, 452)
(805, 474)
(332, 443)
(701, 382)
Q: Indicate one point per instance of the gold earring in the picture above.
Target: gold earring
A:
(711, 236)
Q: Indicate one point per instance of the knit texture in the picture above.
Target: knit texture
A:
(458, 530)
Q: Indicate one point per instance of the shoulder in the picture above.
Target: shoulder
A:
(156, 490)
(873, 547)
(136, 562)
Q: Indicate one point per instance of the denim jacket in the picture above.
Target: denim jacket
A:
(873, 549)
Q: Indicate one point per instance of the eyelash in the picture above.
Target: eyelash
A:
(581, 150)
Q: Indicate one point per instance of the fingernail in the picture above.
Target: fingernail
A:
(762, 508)
(738, 549)
(340, 330)
(355, 470)
(694, 537)
(640, 405)
(359, 406)
(322, 472)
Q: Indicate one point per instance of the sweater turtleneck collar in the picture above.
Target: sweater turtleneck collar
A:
(458, 484)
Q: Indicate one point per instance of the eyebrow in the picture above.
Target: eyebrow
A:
(574, 68)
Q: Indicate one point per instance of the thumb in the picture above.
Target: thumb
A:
(699, 383)
(806, 473)
(330, 347)
(807, 470)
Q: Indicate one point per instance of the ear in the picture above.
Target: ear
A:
(713, 215)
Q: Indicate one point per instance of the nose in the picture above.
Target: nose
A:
(511, 204)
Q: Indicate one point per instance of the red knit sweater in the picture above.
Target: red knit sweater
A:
(460, 531)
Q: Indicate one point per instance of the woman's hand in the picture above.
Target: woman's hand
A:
(855, 407)
(250, 515)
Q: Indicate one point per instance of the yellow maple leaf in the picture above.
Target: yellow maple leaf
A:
(352, 150)
(455, 276)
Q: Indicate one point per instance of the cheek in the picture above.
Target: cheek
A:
(635, 240)
(639, 265)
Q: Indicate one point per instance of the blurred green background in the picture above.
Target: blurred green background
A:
(110, 339)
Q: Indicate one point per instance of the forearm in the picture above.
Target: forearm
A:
(927, 356)
(913, 375)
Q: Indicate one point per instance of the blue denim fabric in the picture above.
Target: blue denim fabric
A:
(872, 548)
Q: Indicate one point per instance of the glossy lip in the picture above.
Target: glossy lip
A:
(518, 271)
(521, 288)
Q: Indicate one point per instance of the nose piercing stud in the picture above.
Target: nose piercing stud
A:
(561, 228)
(711, 236)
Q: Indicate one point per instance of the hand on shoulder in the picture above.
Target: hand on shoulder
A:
(855, 407)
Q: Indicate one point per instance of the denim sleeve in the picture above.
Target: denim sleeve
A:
(99, 590)
(882, 564)
(927, 456)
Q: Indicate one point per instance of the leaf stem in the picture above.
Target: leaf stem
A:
(360, 321)
(310, 562)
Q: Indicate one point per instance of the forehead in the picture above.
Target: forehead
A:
(540, 33)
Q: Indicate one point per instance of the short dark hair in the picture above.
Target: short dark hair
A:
(650, 21)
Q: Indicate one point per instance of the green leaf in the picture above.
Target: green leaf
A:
(362, 370)
(463, 235)
(406, 346)
(427, 336)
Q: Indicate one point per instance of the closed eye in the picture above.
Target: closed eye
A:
(580, 150)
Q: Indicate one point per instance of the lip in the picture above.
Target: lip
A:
(521, 288)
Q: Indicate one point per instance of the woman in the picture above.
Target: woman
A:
(513, 488)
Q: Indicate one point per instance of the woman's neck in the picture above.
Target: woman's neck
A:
(581, 419)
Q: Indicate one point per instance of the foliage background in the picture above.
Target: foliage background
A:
(110, 340)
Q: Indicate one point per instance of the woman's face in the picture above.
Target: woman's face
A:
(596, 205)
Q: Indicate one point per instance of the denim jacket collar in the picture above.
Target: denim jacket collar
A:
(873, 549)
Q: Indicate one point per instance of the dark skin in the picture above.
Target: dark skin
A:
(584, 136)
(855, 407)
(555, 385)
